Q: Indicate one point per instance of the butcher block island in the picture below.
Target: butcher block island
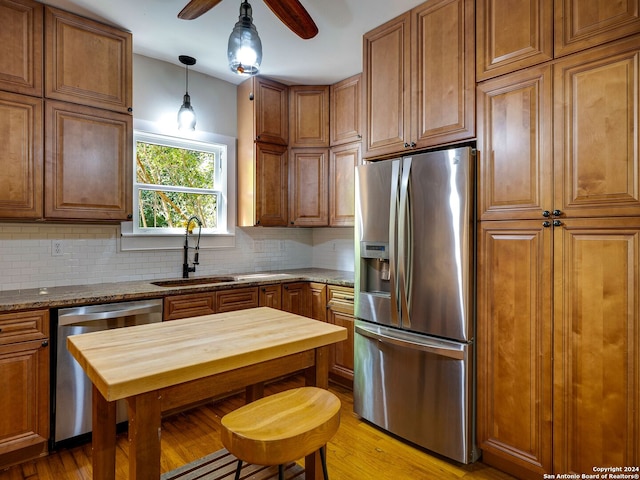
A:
(158, 367)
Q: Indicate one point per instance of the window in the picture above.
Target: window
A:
(175, 178)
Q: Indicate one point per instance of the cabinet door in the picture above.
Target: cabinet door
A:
(296, 298)
(318, 292)
(596, 344)
(309, 116)
(270, 296)
(512, 35)
(21, 159)
(342, 166)
(88, 163)
(308, 188)
(21, 40)
(188, 305)
(271, 111)
(24, 399)
(580, 25)
(387, 87)
(271, 185)
(236, 299)
(443, 72)
(596, 135)
(514, 347)
(340, 313)
(87, 62)
(515, 140)
(345, 111)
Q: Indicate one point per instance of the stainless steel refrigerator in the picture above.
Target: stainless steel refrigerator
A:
(414, 299)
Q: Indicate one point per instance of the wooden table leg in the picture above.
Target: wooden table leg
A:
(103, 443)
(317, 376)
(144, 436)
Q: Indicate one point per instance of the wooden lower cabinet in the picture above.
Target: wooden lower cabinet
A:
(296, 299)
(236, 299)
(24, 398)
(270, 296)
(188, 305)
(559, 345)
(340, 312)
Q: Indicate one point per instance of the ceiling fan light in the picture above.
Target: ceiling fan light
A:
(244, 51)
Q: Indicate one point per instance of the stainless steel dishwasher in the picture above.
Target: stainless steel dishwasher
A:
(71, 399)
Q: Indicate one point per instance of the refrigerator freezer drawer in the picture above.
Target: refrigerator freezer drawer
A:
(416, 387)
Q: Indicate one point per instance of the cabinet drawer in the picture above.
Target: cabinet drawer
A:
(340, 299)
(24, 326)
(237, 299)
(189, 305)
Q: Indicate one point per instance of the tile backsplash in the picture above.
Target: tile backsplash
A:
(44, 255)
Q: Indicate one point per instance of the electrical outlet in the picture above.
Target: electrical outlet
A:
(57, 248)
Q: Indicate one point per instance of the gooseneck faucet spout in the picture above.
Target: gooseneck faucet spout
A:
(185, 264)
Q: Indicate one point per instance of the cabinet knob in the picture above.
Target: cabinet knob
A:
(546, 214)
(557, 213)
(413, 144)
(45, 343)
(286, 287)
(546, 224)
(257, 137)
(129, 109)
(557, 223)
(359, 136)
(406, 145)
(264, 289)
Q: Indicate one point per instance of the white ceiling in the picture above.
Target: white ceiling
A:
(334, 54)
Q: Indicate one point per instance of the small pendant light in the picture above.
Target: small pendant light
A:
(186, 114)
(245, 48)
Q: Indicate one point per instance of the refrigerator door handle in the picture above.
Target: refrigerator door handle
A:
(424, 346)
(405, 241)
(393, 239)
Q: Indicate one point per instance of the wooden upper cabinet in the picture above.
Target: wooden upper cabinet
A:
(443, 76)
(21, 156)
(263, 111)
(309, 116)
(386, 87)
(580, 24)
(515, 139)
(596, 353)
(308, 189)
(346, 111)
(342, 166)
(419, 79)
(596, 136)
(87, 62)
(511, 37)
(21, 27)
(87, 183)
(271, 187)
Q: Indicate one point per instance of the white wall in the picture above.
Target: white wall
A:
(91, 253)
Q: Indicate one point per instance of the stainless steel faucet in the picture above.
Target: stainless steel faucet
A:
(185, 265)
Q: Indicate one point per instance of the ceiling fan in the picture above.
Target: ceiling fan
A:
(290, 12)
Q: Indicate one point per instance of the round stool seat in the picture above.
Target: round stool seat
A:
(283, 427)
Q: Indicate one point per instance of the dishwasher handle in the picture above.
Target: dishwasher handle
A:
(72, 316)
(435, 347)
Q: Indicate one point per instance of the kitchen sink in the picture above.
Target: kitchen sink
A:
(184, 282)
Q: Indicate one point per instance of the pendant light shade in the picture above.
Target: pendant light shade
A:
(186, 114)
(245, 48)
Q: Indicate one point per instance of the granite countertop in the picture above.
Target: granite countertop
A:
(54, 297)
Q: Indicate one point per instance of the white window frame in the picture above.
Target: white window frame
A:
(135, 238)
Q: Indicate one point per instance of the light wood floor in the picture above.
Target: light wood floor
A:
(359, 451)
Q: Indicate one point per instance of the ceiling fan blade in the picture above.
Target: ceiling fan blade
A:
(195, 8)
(294, 16)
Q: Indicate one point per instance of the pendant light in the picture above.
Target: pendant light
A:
(245, 48)
(186, 114)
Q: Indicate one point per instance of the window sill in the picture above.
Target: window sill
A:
(132, 242)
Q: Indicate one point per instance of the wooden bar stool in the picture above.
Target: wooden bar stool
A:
(282, 428)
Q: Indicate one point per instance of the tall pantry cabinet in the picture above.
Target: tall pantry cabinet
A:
(559, 242)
